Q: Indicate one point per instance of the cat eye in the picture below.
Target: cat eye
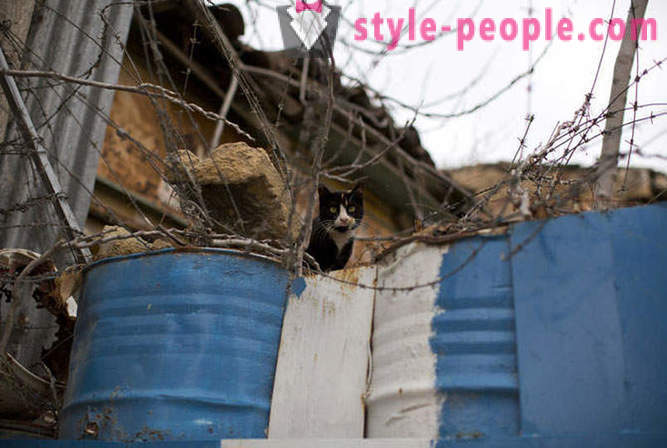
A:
(352, 209)
(333, 210)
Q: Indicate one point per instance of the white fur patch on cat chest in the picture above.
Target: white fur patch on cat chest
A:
(341, 238)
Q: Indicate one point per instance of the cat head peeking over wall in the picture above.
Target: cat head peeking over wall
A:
(332, 237)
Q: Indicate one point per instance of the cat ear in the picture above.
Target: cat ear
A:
(358, 190)
(323, 191)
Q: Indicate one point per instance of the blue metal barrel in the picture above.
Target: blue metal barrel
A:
(474, 339)
(175, 346)
(551, 334)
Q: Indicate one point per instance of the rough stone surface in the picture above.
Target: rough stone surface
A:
(162, 244)
(639, 187)
(660, 183)
(125, 246)
(241, 189)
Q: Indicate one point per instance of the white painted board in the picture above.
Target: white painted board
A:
(322, 369)
(402, 401)
(342, 443)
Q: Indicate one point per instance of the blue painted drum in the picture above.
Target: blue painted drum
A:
(175, 346)
(553, 334)
(444, 357)
(550, 335)
(474, 341)
(591, 298)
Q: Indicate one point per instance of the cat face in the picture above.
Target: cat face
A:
(341, 211)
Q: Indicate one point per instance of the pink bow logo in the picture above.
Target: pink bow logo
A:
(302, 6)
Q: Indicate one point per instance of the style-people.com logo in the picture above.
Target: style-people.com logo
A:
(309, 29)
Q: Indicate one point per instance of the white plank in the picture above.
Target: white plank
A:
(341, 443)
(323, 359)
(402, 400)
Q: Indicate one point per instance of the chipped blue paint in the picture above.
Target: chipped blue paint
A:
(175, 346)
(299, 286)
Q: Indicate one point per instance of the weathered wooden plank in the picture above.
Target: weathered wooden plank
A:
(321, 375)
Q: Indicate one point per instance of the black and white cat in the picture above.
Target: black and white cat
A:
(332, 237)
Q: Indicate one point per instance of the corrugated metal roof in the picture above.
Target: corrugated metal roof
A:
(73, 38)
(82, 38)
